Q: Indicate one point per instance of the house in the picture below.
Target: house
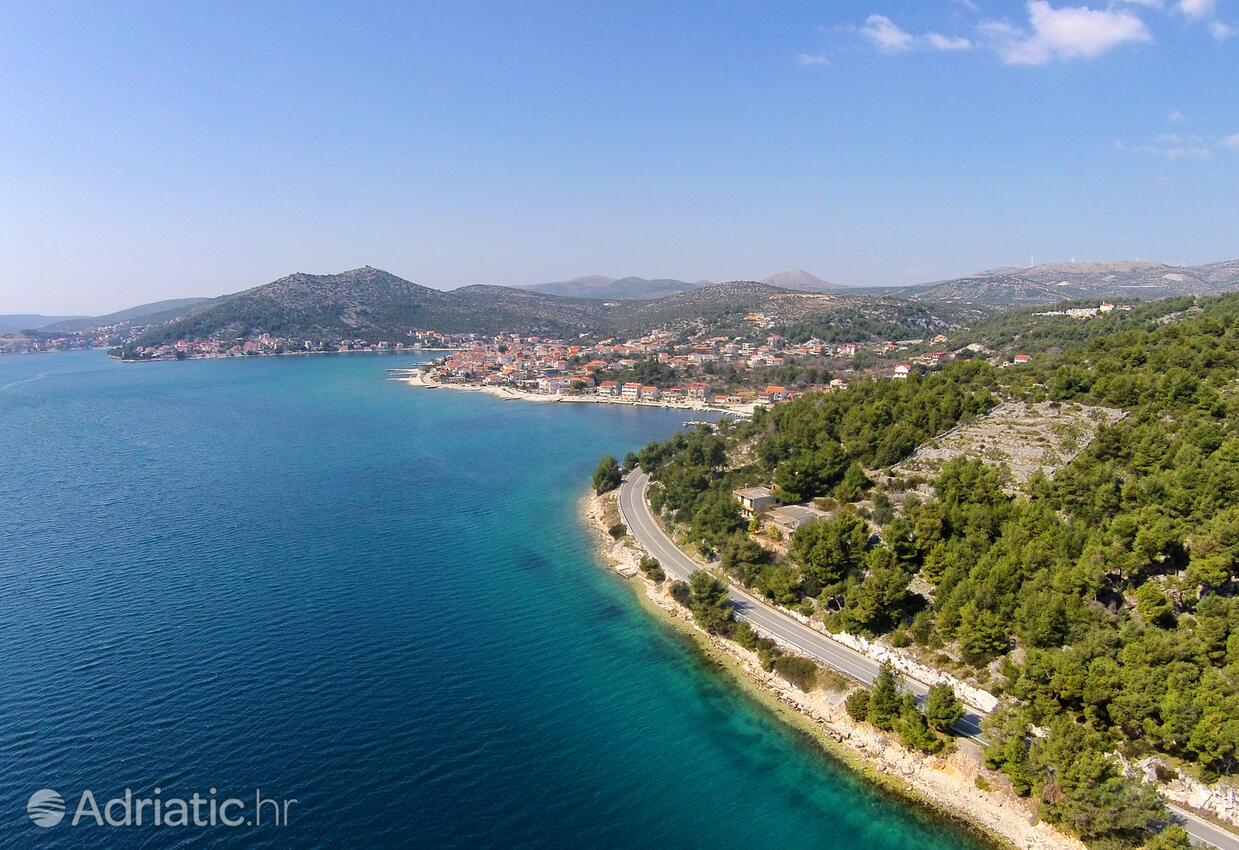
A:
(772, 394)
(631, 392)
(838, 384)
(1106, 307)
(651, 393)
(699, 391)
(791, 517)
(902, 370)
(754, 500)
(608, 388)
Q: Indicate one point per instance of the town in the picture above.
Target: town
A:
(699, 371)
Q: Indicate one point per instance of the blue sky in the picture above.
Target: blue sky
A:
(169, 149)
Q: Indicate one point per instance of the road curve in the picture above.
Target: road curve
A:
(635, 511)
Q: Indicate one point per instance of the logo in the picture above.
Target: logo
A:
(46, 808)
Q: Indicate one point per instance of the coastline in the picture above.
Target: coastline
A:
(416, 378)
(945, 784)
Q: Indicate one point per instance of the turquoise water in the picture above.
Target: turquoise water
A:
(291, 574)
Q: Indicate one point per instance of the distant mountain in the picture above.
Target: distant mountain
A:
(153, 312)
(1053, 282)
(28, 321)
(703, 304)
(373, 304)
(802, 280)
(615, 289)
(641, 289)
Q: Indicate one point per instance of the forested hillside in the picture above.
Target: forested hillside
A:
(1100, 603)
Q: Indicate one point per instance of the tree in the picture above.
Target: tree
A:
(913, 729)
(743, 558)
(1153, 605)
(853, 484)
(829, 549)
(607, 476)
(780, 583)
(982, 635)
(708, 602)
(857, 704)
(877, 602)
(942, 708)
(1173, 837)
(886, 697)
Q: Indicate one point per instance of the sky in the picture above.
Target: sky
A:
(158, 150)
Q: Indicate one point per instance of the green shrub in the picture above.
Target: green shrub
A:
(857, 704)
(743, 634)
(680, 592)
(652, 569)
(798, 670)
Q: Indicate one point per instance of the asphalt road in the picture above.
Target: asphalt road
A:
(635, 511)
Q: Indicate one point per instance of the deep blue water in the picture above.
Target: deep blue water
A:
(291, 574)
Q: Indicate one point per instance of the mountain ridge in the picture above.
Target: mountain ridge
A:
(1050, 283)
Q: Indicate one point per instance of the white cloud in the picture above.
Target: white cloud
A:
(938, 41)
(888, 37)
(1148, 4)
(812, 59)
(1070, 32)
(1175, 151)
(1196, 8)
(1221, 31)
(1180, 146)
(885, 35)
(1175, 117)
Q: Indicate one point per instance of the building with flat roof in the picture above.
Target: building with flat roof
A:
(788, 518)
(754, 500)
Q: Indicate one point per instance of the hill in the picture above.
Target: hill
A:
(802, 280)
(374, 304)
(1053, 282)
(615, 289)
(28, 321)
(154, 312)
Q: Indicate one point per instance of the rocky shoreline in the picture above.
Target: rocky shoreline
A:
(946, 784)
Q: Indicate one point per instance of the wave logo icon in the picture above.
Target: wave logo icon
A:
(46, 808)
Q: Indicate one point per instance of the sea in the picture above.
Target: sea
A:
(347, 612)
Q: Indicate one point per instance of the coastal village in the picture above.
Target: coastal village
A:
(706, 371)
